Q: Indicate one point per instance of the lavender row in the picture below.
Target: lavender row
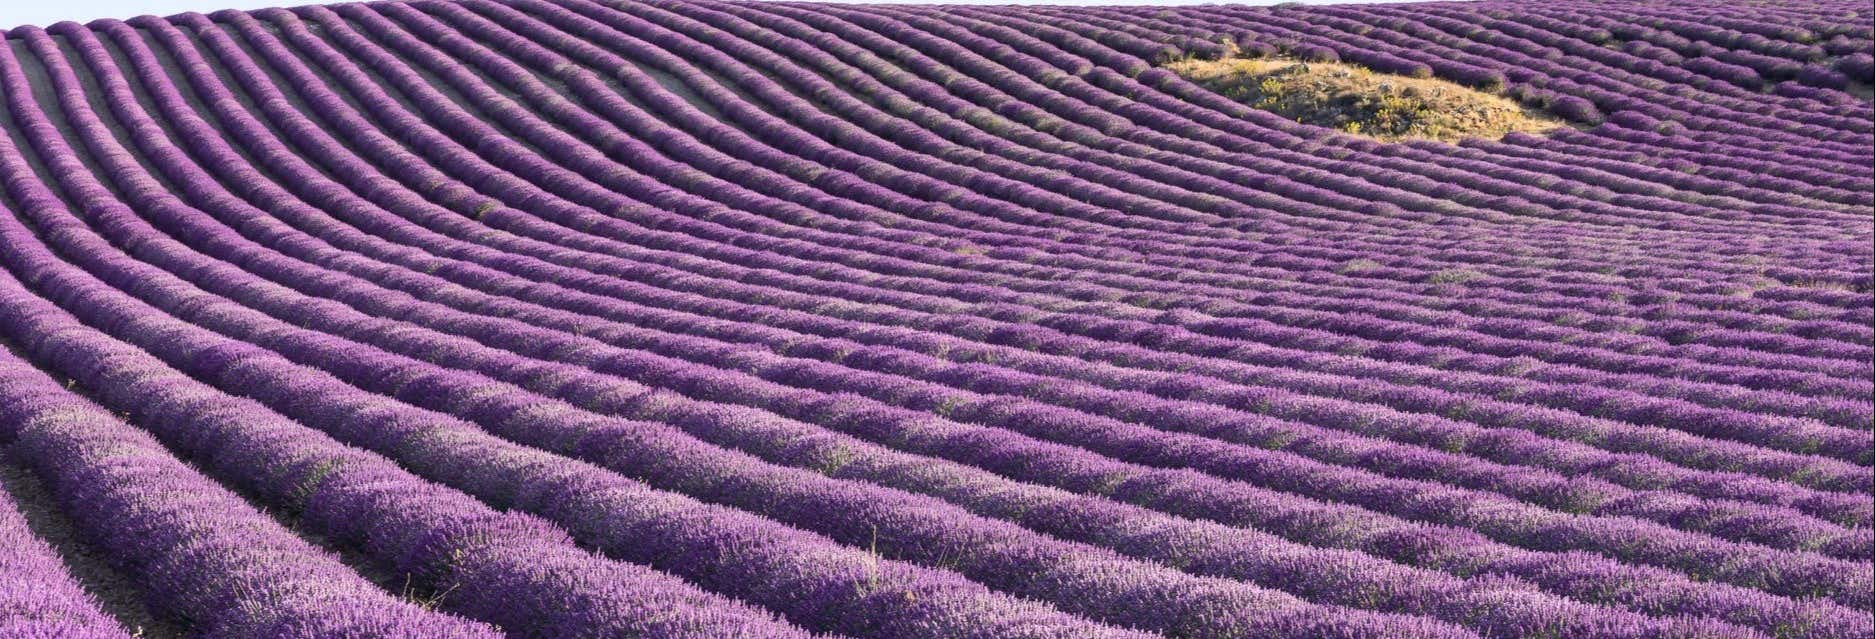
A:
(201, 553)
(860, 258)
(436, 350)
(585, 224)
(782, 73)
(1253, 160)
(488, 563)
(1845, 435)
(492, 218)
(574, 493)
(896, 585)
(1761, 341)
(1579, 33)
(347, 359)
(482, 563)
(40, 599)
(1638, 138)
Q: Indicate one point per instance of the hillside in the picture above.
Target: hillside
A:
(703, 319)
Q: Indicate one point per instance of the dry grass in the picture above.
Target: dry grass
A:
(1861, 90)
(1363, 102)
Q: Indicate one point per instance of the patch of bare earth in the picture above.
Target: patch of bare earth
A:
(1359, 101)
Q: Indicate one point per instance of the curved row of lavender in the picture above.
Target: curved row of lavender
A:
(691, 318)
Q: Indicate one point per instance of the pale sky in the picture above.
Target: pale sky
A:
(46, 12)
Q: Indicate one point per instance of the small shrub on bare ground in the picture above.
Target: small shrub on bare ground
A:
(1360, 101)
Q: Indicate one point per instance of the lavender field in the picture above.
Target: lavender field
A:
(689, 318)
